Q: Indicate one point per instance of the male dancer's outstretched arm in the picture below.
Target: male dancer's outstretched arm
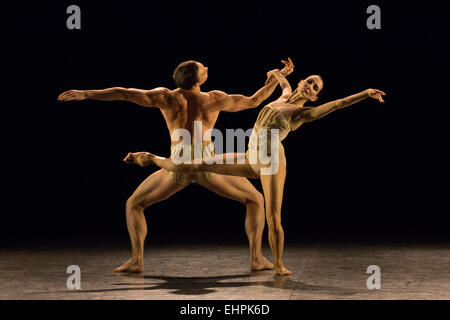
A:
(156, 97)
(147, 98)
(238, 102)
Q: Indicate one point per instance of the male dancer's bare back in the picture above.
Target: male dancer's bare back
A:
(180, 108)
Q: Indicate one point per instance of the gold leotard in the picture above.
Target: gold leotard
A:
(270, 117)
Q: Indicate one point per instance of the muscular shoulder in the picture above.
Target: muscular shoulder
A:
(216, 98)
(160, 95)
(161, 91)
(220, 97)
(217, 94)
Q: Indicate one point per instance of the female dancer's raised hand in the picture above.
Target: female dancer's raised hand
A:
(288, 67)
(287, 70)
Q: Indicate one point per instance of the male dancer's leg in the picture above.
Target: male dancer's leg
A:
(240, 189)
(157, 187)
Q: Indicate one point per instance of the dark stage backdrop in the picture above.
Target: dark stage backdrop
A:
(372, 172)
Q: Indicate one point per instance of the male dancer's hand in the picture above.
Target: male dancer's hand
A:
(71, 95)
(376, 94)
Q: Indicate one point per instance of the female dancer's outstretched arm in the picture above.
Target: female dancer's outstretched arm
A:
(308, 114)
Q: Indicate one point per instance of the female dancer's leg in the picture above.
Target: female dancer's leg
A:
(237, 164)
(273, 186)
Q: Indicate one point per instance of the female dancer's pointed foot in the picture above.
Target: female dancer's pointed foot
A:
(260, 264)
(281, 270)
(141, 158)
(131, 266)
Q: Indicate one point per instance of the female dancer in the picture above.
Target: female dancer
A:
(286, 114)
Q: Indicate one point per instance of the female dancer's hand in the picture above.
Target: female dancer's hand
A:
(288, 67)
(376, 94)
(287, 70)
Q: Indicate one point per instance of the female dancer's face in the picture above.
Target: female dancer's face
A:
(310, 87)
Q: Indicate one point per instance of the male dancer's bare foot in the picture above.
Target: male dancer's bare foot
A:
(131, 266)
(281, 270)
(260, 264)
(141, 158)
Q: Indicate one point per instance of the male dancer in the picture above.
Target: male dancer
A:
(180, 108)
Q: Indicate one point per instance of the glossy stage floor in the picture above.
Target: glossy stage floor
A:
(222, 272)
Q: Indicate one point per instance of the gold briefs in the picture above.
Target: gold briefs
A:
(186, 178)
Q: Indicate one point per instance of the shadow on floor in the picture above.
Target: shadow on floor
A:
(207, 285)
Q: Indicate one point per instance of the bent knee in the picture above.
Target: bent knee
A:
(255, 198)
(134, 204)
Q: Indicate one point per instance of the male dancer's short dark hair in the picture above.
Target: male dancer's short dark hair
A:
(186, 74)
